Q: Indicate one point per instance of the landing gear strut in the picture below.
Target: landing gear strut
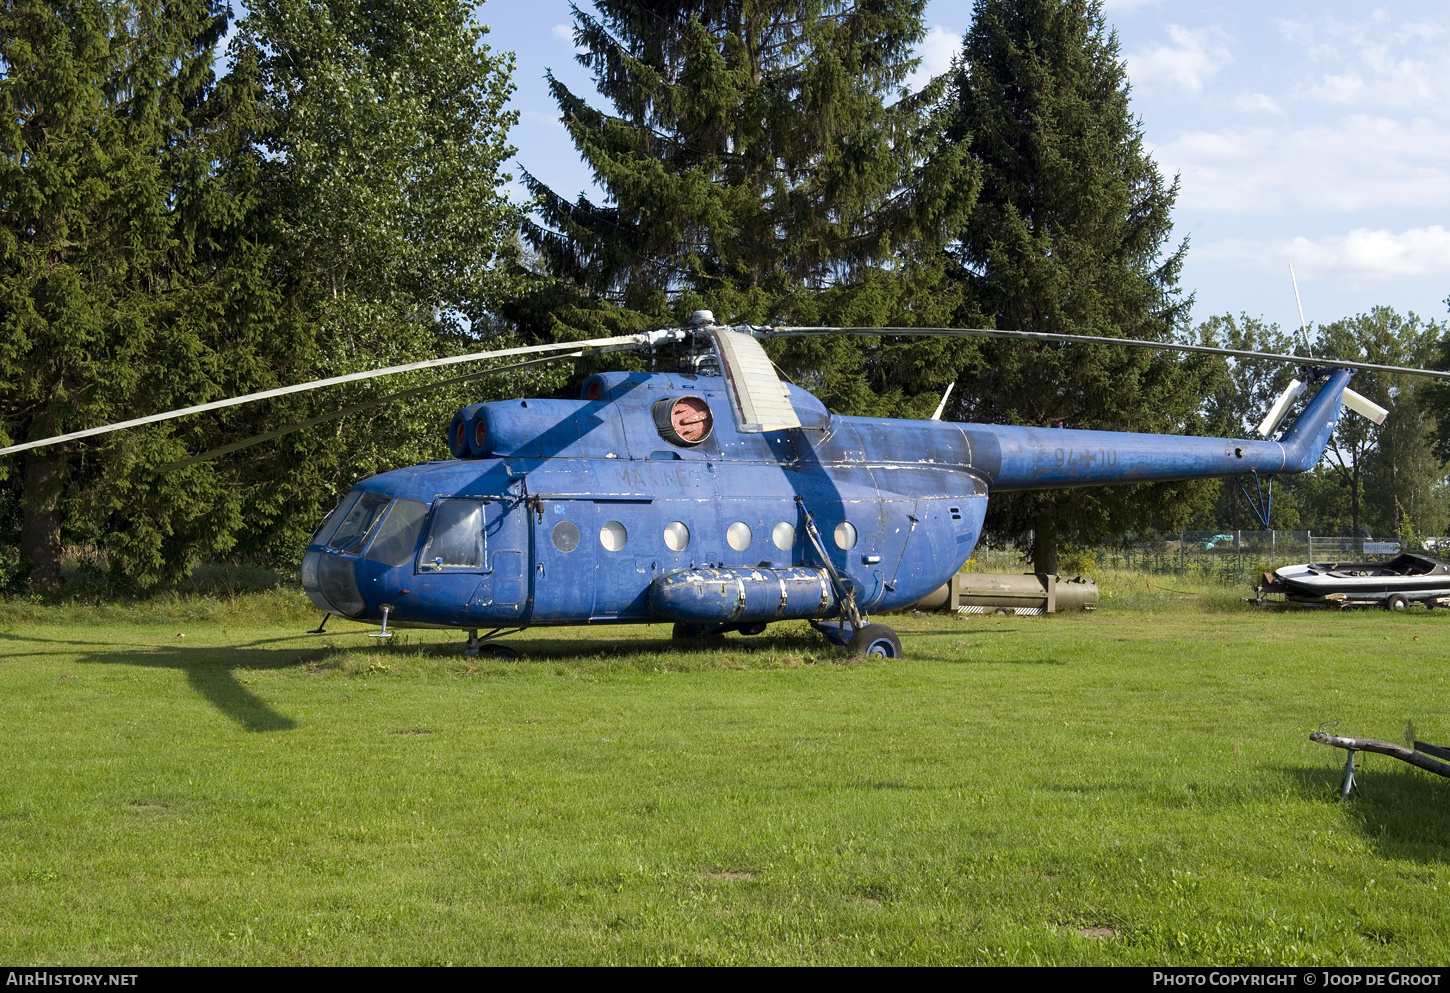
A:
(487, 646)
(871, 640)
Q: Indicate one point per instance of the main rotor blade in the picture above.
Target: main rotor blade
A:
(1303, 360)
(619, 343)
(237, 446)
(758, 399)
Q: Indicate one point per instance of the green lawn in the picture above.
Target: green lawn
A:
(1132, 786)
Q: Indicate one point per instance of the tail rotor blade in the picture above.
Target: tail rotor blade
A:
(1365, 407)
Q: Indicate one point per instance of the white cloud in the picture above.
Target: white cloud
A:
(1360, 162)
(1362, 252)
(1126, 6)
(1192, 59)
(1258, 103)
(940, 47)
(936, 52)
(1402, 83)
(1374, 63)
(564, 32)
(1360, 256)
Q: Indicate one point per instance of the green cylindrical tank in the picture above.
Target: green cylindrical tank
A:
(1022, 594)
(1076, 594)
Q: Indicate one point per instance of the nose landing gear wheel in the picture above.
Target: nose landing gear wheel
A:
(876, 641)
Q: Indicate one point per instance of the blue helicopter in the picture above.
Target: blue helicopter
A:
(719, 498)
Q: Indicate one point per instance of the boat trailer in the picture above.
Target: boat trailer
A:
(1419, 756)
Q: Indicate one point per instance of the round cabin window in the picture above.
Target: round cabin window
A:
(845, 535)
(683, 420)
(739, 536)
(565, 536)
(613, 536)
(677, 536)
(784, 536)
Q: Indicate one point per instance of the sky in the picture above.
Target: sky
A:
(1315, 134)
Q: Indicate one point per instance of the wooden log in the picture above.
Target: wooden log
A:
(1384, 748)
(1439, 751)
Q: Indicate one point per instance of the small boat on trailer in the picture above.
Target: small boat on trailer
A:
(1403, 580)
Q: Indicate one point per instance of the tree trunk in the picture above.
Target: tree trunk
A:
(45, 477)
(1044, 538)
(1356, 538)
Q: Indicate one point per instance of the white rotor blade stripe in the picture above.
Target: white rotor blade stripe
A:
(1305, 360)
(237, 446)
(616, 344)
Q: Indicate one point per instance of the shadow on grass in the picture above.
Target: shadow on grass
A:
(210, 671)
(555, 649)
(1402, 811)
(594, 643)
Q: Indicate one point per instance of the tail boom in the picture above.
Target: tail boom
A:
(1022, 458)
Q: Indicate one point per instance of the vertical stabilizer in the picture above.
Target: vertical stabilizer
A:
(1305, 441)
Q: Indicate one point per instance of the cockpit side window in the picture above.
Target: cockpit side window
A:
(398, 535)
(455, 541)
(359, 521)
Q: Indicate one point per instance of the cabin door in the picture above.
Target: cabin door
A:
(502, 594)
(565, 557)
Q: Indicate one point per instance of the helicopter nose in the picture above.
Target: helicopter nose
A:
(330, 582)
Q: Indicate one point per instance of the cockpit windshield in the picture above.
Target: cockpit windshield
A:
(323, 531)
(358, 521)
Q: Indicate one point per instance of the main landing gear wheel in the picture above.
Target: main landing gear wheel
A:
(1396, 602)
(876, 641)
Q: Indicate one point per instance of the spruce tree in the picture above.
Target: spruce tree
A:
(382, 167)
(120, 260)
(332, 204)
(1069, 234)
(760, 161)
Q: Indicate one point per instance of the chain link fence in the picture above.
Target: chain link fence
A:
(1222, 556)
(1237, 555)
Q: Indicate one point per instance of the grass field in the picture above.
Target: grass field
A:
(1132, 786)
